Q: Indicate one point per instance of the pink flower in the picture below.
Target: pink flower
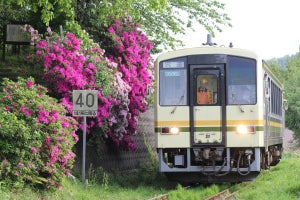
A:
(111, 30)
(17, 173)
(76, 138)
(28, 112)
(55, 116)
(29, 84)
(20, 165)
(7, 108)
(33, 150)
(43, 116)
(64, 124)
(30, 165)
(68, 174)
(49, 30)
(48, 139)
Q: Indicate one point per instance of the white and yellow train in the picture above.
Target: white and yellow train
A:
(219, 115)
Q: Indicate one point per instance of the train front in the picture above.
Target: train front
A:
(209, 114)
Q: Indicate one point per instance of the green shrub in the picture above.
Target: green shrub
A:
(36, 136)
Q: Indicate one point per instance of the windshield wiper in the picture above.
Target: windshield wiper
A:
(180, 100)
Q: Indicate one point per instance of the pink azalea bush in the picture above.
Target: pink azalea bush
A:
(36, 136)
(130, 49)
(121, 79)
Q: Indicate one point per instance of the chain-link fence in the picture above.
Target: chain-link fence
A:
(115, 161)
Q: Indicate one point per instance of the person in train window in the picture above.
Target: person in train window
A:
(204, 94)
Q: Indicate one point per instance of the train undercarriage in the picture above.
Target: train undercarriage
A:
(216, 165)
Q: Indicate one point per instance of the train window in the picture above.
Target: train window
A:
(173, 82)
(276, 99)
(207, 87)
(241, 81)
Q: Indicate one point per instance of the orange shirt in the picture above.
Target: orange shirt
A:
(204, 97)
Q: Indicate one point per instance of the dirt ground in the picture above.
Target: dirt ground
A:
(289, 142)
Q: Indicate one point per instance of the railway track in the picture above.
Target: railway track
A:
(223, 195)
(160, 197)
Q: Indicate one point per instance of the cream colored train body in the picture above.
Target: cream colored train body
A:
(219, 115)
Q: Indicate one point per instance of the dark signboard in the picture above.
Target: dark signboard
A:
(14, 34)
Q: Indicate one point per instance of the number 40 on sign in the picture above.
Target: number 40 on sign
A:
(85, 102)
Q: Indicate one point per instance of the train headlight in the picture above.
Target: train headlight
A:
(174, 130)
(244, 129)
(169, 130)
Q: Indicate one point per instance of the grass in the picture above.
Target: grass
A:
(75, 190)
(200, 192)
(280, 182)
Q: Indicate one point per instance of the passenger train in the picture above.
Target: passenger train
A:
(219, 114)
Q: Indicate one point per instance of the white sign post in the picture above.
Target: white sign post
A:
(85, 103)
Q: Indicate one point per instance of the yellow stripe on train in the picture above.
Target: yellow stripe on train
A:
(217, 123)
(210, 122)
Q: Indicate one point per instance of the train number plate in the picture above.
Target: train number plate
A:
(208, 137)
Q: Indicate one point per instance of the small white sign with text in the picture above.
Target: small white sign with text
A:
(85, 102)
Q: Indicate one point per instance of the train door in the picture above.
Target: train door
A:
(207, 110)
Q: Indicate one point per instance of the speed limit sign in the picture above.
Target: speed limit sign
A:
(85, 102)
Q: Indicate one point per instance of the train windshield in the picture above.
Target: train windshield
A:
(173, 82)
(241, 81)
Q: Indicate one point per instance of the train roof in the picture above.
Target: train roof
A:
(208, 50)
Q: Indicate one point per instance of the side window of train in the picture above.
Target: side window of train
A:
(241, 81)
(173, 82)
(207, 89)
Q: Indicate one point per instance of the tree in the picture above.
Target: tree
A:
(49, 9)
(290, 75)
(292, 93)
(161, 20)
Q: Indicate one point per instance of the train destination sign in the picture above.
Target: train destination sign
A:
(85, 102)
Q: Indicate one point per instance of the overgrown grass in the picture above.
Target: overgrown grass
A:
(74, 191)
(115, 189)
(280, 182)
(200, 192)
